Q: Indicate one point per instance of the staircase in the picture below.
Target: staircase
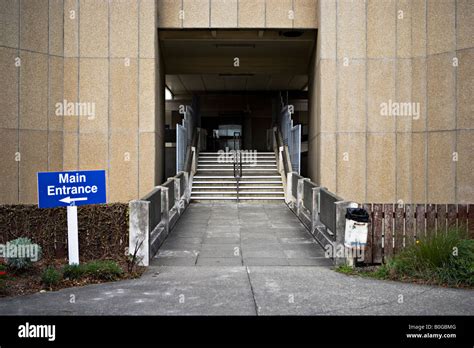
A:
(214, 179)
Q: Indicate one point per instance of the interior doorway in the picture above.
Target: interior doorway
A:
(241, 79)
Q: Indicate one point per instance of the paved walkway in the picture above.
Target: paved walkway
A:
(246, 290)
(230, 234)
(261, 279)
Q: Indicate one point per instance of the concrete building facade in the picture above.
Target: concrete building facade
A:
(104, 60)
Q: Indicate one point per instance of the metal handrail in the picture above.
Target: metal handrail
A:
(238, 173)
(189, 151)
(282, 155)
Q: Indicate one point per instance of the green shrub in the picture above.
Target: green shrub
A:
(460, 269)
(441, 259)
(105, 270)
(345, 269)
(73, 271)
(50, 276)
(102, 270)
(22, 263)
(383, 272)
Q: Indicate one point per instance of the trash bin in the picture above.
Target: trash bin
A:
(357, 220)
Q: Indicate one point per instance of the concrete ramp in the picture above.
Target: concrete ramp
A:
(239, 234)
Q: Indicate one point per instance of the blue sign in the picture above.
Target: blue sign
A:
(62, 189)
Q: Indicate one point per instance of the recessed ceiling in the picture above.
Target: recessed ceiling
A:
(186, 84)
(200, 61)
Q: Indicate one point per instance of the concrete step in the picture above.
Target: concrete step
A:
(248, 157)
(245, 177)
(241, 187)
(231, 160)
(213, 161)
(218, 171)
(233, 189)
(244, 154)
(231, 169)
(224, 165)
(249, 152)
(227, 193)
(233, 182)
(242, 198)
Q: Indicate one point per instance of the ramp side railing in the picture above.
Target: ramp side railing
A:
(153, 216)
(321, 211)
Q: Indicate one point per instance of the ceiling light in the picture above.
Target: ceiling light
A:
(231, 45)
(235, 75)
(292, 33)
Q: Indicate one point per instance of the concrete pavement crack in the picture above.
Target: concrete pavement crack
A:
(253, 293)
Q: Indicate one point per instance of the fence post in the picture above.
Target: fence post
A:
(299, 196)
(139, 231)
(289, 178)
(193, 162)
(341, 209)
(315, 209)
(165, 212)
(187, 190)
(177, 194)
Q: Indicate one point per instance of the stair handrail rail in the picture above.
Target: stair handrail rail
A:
(283, 159)
(237, 165)
(192, 158)
(192, 151)
(282, 151)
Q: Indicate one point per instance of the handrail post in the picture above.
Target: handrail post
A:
(139, 225)
(299, 195)
(289, 184)
(165, 212)
(177, 194)
(194, 162)
(187, 187)
(315, 209)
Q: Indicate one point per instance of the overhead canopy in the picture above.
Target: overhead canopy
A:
(204, 60)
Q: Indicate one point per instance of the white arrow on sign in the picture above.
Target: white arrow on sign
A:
(68, 200)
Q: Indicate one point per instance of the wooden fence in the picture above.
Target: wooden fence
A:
(392, 227)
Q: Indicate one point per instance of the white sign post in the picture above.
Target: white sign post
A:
(72, 235)
(70, 189)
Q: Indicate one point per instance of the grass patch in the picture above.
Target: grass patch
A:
(54, 275)
(378, 272)
(51, 277)
(346, 269)
(443, 259)
(101, 270)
